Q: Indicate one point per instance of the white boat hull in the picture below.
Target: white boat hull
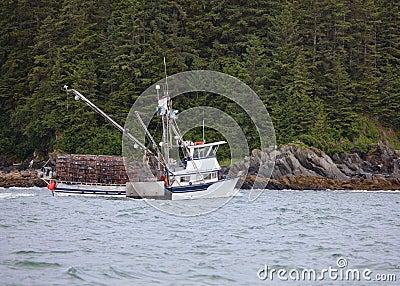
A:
(154, 190)
(220, 189)
(89, 189)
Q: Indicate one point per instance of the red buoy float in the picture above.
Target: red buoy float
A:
(51, 186)
(163, 178)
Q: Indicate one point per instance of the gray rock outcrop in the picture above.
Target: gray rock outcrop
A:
(294, 166)
(290, 160)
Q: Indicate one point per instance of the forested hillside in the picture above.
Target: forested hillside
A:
(328, 71)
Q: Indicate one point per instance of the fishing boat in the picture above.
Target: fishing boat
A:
(194, 175)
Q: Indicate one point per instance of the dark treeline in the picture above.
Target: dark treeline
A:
(327, 70)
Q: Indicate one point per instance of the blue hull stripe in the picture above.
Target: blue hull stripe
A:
(193, 188)
(91, 192)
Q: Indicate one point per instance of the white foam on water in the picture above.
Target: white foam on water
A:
(4, 196)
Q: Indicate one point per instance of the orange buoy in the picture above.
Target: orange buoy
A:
(51, 186)
(198, 143)
(163, 178)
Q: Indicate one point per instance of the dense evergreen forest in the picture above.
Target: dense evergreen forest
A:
(327, 70)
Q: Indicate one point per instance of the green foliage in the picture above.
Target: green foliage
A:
(326, 70)
(97, 141)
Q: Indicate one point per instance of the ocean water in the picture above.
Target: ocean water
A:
(72, 240)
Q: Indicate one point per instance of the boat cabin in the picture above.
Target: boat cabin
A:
(201, 167)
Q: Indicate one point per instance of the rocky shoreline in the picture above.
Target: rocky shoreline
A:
(300, 168)
(17, 177)
(319, 183)
(296, 167)
(23, 179)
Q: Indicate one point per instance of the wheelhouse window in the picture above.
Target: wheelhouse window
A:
(203, 152)
(200, 152)
(213, 151)
(210, 176)
(185, 179)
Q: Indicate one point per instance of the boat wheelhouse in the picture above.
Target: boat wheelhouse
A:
(200, 167)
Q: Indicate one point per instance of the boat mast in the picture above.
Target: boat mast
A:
(165, 121)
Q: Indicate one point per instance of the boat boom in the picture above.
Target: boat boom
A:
(125, 131)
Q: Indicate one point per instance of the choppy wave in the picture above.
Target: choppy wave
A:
(74, 240)
(35, 252)
(29, 263)
(5, 196)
